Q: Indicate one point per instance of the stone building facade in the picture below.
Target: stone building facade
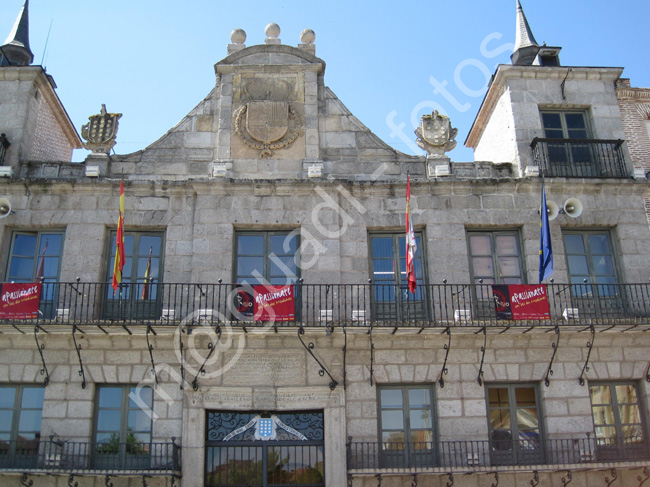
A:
(263, 331)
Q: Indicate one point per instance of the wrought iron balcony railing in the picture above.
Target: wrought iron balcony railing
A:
(580, 158)
(484, 454)
(55, 455)
(332, 305)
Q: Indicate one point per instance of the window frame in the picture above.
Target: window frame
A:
(408, 457)
(493, 234)
(586, 116)
(266, 253)
(617, 449)
(520, 451)
(20, 453)
(407, 300)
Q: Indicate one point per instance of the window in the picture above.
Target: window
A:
(618, 426)
(34, 257)
(21, 409)
(392, 299)
(515, 431)
(123, 426)
(138, 297)
(266, 257)
(592, 271)
(572, 158)
(264, 449)
(406, 426)
(495, 258)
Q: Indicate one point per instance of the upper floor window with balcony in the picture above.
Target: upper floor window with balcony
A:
(406, 425)
(618, 423)
(392, 299)
(21, 410)
(266, 257)
(568, 148)
(35, 256)
(138, 296)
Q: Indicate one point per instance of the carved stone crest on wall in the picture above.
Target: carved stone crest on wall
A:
(435, 134)
(101, 131)
(267, 121)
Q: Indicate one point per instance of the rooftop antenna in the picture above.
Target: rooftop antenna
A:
(47, 39)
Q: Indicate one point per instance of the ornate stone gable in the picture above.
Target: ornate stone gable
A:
(268, 116)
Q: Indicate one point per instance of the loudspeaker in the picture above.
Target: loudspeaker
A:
(573, 207)
(5, 207)
(552, 209)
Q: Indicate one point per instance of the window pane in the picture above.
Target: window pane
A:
(498, 396)
(7, 397)
(138, 420)
(483, 266)
(284, 244)
(629, 414)
(603, 415)
(110, 397)
(419, 398)
(420, 419)
(552, 120)
(6, 416)
(145, 395)
(21, 268)
(109, 420)
(500, 418)
(33, 397)
(250, 245)
(392, 437)
(392, 420)
(391, 398)
(527, 419)
(250, 266)
(578, 265)
(509, 266)
(25, 245)
(574, 244)
(600, 394)
(507, 245)
(525, 396)
(422, 439)
(29, 421)
(575, 120)
(480, 245)
(603, 264)
(382, 247)
(626, 393)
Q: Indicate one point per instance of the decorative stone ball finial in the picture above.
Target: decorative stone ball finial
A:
(238, 36)
(272, 31)
(307, 36)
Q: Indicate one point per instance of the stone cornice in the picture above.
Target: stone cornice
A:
(640, 94)
(506, 72)
(305, 61)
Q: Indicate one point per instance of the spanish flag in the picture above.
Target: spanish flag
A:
(119, 244)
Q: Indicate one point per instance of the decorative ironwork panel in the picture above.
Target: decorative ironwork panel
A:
(237, 427)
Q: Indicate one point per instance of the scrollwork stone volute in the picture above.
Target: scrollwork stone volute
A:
(101, 131)
(435, 134)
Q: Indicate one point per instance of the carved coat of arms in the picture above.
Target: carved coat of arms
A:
(101, 131)
(267, 121)
(435, 134)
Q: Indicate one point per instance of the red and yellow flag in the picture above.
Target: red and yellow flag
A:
(411, 246)
(119, 244)
(147, 272)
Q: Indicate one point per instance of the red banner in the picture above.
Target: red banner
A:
(19, 301)
(266, 303)
(521, 302)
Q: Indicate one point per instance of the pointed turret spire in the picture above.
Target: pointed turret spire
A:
(526, 47)
(15, 50)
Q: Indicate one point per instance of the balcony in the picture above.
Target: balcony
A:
(580, 158)
(483, 455)
(333, 305)
(71, 457)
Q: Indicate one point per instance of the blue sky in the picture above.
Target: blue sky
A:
(153, 60)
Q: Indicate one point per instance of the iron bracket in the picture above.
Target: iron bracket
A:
(107, 481)
(567, 480)
(614, 477)
(446, 346)
(70, 480)
(372, 357)
(180, 347)
(646, 472)
(150, 348)
(378, 476)
(451, 479)
(496, 479)
(590, 344)
(345, 355)
(549, 371)
(535, 481)
(77, 347)
(212, 347)
(40, 347)
(322, 371)
(25, 481)
(480, 370)
(415, 480)
(647, 373)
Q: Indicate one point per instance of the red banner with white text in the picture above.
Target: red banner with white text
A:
(19, 301)
(265, 303)
(521, 302)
